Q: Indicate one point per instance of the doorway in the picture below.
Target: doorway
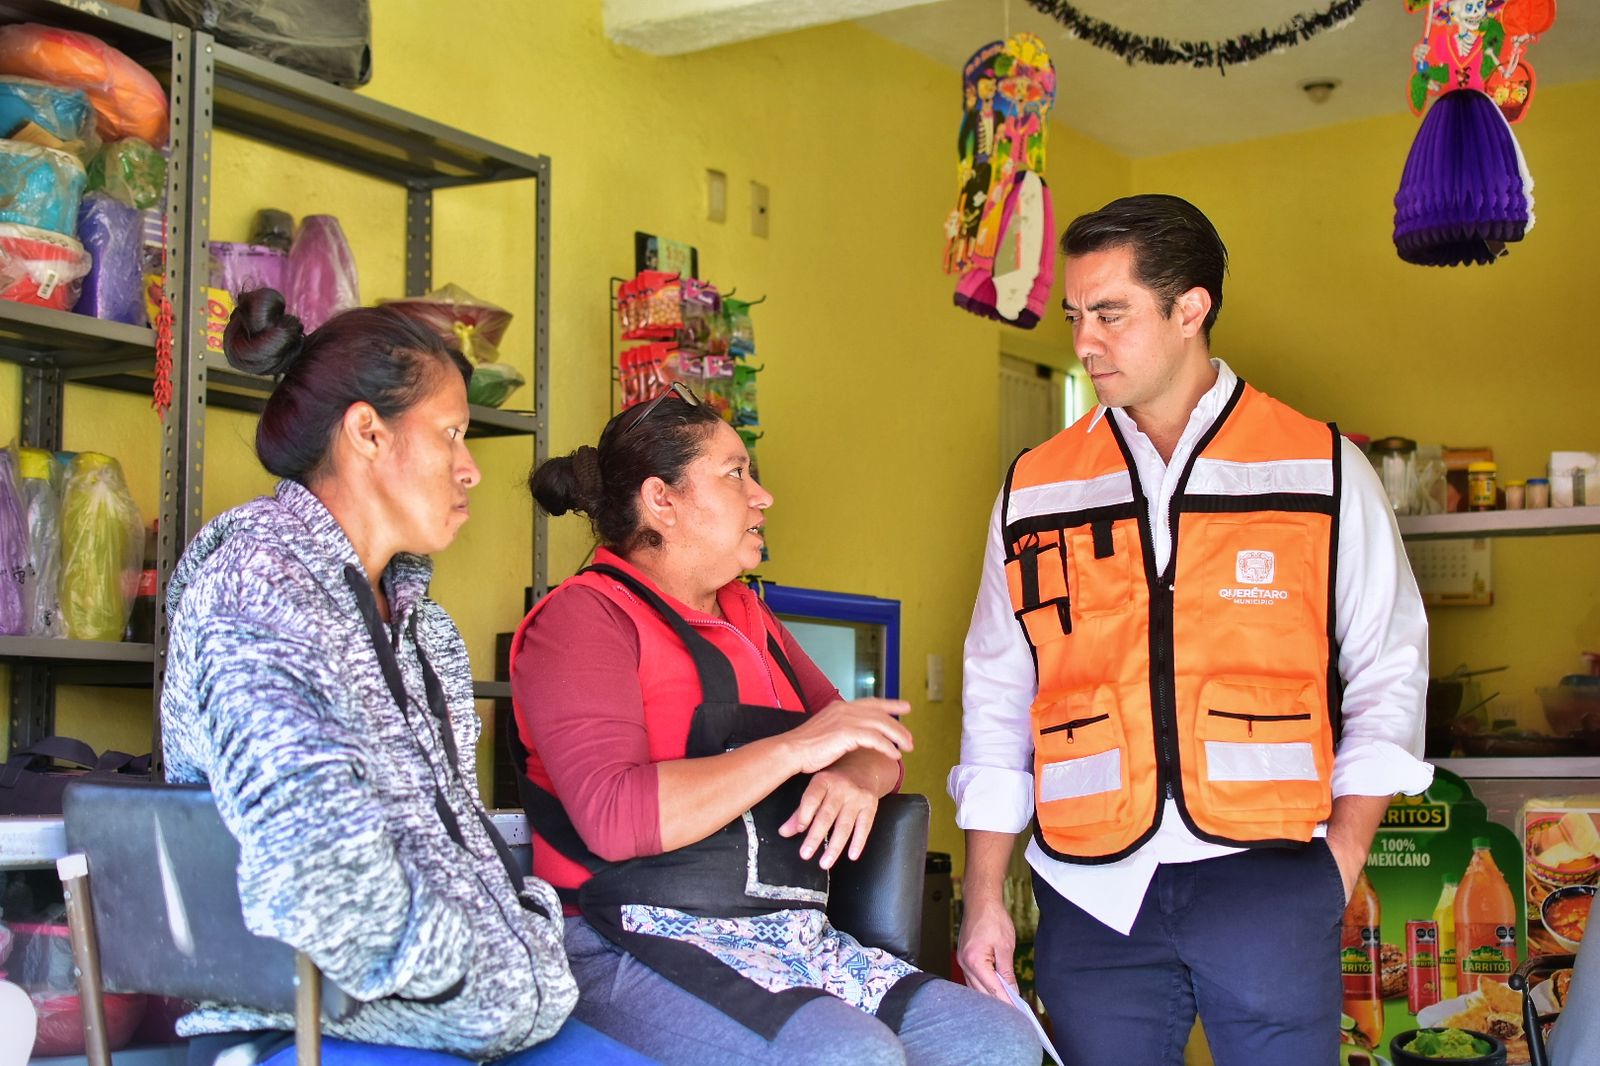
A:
(1036, 402)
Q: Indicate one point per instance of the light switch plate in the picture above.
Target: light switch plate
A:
(935, 678)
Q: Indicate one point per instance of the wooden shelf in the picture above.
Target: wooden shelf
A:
(1543, 522)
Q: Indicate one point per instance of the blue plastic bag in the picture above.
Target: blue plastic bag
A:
(40, 187)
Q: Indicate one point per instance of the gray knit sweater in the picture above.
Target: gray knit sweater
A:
(276, 698)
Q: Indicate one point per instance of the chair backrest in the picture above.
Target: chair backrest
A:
(878, 898)
(164, 875)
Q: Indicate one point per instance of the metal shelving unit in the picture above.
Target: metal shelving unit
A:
(1546, 767)
(214, 87)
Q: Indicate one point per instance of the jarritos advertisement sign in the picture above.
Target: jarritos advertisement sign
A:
(1433, 930)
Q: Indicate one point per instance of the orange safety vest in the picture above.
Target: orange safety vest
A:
(1214, 682)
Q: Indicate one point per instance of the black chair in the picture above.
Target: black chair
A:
(1575, 1041)
(152, 897)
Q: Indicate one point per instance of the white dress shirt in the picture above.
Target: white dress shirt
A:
(1383, 659)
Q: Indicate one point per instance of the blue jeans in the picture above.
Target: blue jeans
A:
(575, 1044)
(1250, 942)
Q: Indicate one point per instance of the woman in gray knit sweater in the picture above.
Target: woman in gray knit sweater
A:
(328, 704)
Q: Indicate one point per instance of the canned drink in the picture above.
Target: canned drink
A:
(1422, 965)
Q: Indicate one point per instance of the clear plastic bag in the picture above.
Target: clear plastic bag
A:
(14, 570)
(102, 548)
(41, 512)
(474, 326)
(127, 99)
(238, 268)
(41, 963)
(40, 187)
(112, 233)
(61, 112)
(321, 279)
(38, 266)
(130, 170)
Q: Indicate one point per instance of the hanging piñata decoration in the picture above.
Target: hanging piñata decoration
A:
(1466, 192)
(999, 236)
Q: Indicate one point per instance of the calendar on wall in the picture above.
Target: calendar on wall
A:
(1453, 573)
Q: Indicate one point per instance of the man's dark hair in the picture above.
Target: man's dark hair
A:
(1175, 247)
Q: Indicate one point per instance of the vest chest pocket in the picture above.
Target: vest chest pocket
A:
(1037, 579)
(1262, 746)
(1080, 766)
(1100, 564)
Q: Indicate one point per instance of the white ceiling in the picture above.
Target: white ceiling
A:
(1148, 110)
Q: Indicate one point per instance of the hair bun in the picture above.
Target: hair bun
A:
(261, 338)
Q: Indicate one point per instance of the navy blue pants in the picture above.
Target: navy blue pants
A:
(1249, 941)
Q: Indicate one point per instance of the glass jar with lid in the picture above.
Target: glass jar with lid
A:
(1396, 461)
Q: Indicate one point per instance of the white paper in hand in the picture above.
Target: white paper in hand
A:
(1022, 1005)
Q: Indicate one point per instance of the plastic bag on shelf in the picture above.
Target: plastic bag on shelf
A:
(237, 268)
(39, 478)
(112, 233)
(741, 330)
(40, 187)
(703, 329)
(41, 964)
(327, 39)
(63, 113)
(655, 302)
(474, 326)
(15, 573)
(38, 266)
(493, 383)
(127, 99)
(102, 549)
(321, 278)
(131, 170)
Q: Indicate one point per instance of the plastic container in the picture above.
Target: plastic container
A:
(1515, 495)
(40, 187)
(1538, 494)
(1481, 494)
(1496, 1056)
(1486, 923)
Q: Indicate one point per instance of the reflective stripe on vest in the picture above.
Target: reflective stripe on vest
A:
(1214, 682)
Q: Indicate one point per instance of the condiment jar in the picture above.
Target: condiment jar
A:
(1480, 486)
(1395, 459)
(1514, 491)
(1538, 492)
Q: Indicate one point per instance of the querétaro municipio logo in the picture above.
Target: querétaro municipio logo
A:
(1255, 568)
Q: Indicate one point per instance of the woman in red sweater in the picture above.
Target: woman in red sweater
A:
(690, 776)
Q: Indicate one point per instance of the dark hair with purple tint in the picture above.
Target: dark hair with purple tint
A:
(369, 354)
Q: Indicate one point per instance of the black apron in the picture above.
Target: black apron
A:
(744, 869)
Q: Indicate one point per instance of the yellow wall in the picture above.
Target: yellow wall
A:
(879, 398)
(1321, 312)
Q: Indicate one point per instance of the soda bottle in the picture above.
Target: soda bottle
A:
(1444, 915)
(1360, 947)
(1486, 922)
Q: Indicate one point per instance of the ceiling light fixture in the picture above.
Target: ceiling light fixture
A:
(1319, 89)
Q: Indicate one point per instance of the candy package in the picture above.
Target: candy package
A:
(321, 276)
(704, 329)
(112, 233)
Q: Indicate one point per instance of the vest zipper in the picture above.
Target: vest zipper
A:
(1250, 720)
(1076, 723)
(772, 685)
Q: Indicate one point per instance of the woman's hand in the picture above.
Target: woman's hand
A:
(839, 807)
(840, 728)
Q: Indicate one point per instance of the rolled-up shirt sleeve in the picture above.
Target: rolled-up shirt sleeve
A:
(1383, 645)
(993, 783)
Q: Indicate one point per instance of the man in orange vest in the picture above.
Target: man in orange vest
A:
(1198, 661)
